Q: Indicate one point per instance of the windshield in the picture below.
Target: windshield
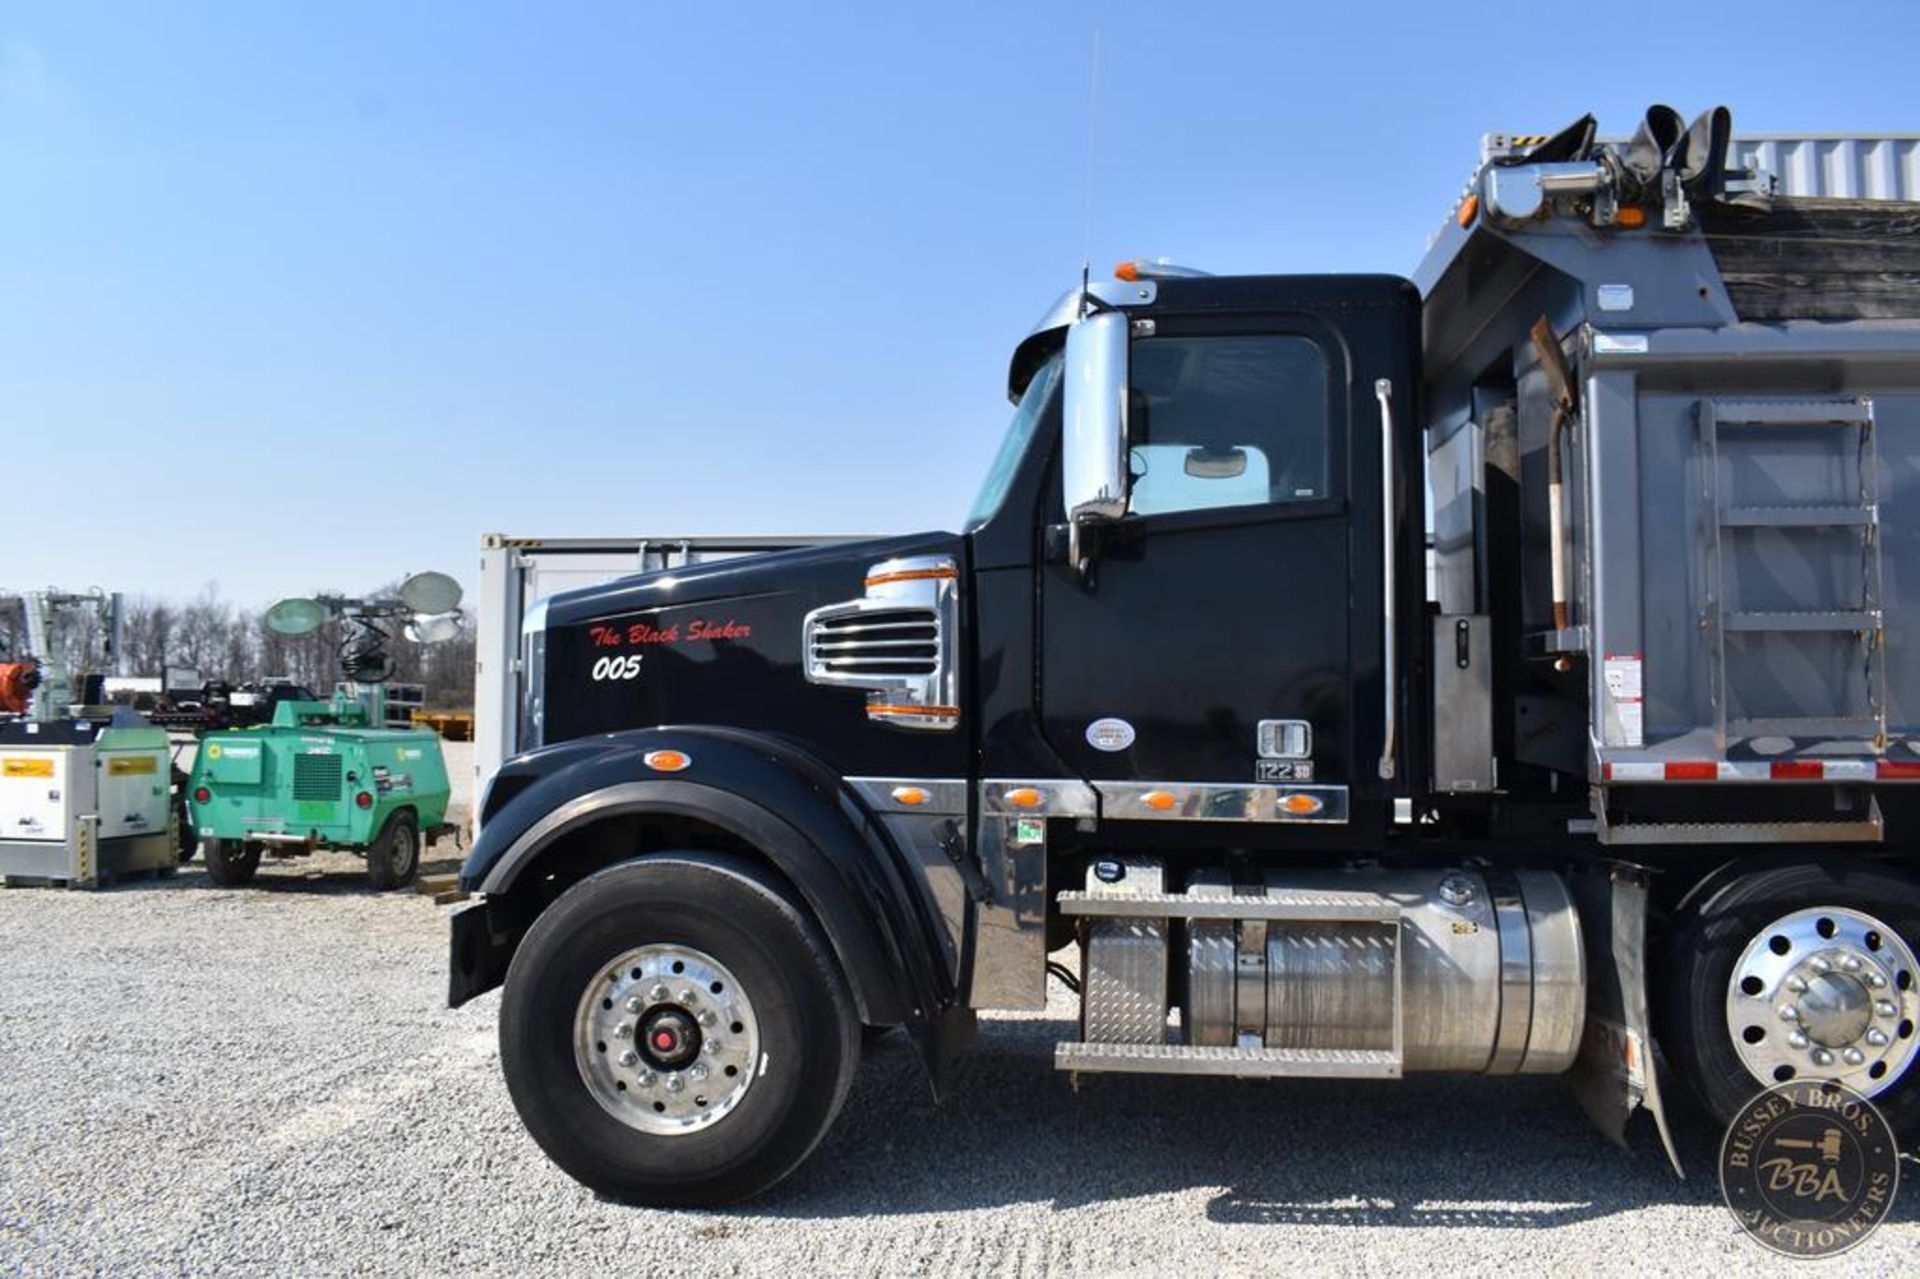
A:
(1026, 418)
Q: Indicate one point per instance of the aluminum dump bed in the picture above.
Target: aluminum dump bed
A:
(1741, 473)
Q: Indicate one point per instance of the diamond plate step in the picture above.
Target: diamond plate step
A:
(1322, 907)
(1179, 1059)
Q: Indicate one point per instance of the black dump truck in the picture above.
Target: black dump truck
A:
(1508, 671)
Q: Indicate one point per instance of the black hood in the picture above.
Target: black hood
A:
(720, 643)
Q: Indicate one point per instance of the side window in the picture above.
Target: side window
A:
(1227, 421)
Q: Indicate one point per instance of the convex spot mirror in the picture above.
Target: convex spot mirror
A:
(1216, 464)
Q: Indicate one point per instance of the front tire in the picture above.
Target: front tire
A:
(1802, 971)
(230, 863)
(602, 1036)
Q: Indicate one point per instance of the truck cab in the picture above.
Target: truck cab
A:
(1175, 719)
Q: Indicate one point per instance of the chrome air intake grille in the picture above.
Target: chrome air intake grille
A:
(896, 642)
(316, 777)
(881, 642)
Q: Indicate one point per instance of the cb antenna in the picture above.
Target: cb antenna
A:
(1093, 148)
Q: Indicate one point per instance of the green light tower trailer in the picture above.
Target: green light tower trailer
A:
(327, 774)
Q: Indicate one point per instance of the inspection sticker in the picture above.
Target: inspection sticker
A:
(1626, 701)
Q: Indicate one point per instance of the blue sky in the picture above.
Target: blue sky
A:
(297, 296)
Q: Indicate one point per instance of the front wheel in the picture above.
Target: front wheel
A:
(1805, 972)
(675, 1031)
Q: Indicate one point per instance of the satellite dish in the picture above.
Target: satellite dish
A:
(296, 616)
(430, 593)
(435, 629)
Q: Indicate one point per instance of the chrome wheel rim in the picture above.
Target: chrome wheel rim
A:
(1826, 993)
(666, 1040)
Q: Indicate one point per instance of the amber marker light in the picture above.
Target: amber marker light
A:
(1158, 800)
(911, 796)
(666, 761)
(1469, 210)
(1128, 271)
(1630, 216)
(1024, 797)
(944, 573)
(1301, 805)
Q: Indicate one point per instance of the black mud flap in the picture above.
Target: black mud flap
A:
(942, 1042)
(1615, 1073)
(476, 959)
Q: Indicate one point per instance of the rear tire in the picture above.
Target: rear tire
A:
(393, 859)
(597, 1102)
(1764, 929)
(229, 862)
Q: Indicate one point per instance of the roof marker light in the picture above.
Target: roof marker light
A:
(666, 761)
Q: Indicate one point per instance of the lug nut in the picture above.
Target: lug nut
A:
(1797, 1040)
(707, 1017)
(1819, 964)
(686, 995)
(658, 994)
(623, 1031)
(1854, 1056)
(1874, 979)
(1851, 963)
(1789, 1013)
(1877, 1037)
(675, 1083)
(697, 1073)
(1885, 1007)
(636, 1006)
(647, 1078)
(629, 1058)
(712, 1047)
(1821, 1057)
(1798, 985)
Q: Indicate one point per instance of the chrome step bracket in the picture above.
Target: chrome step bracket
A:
(1250, 1063)
(1314, 907)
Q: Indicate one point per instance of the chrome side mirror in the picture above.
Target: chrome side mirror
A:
(1093, 470)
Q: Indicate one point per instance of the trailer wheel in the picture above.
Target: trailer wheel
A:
(230, 862)
(1805, 971)
(393, 859)
(675, 1031)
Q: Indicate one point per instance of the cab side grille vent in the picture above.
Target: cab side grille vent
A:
(896, 642)
(891, 642)
(316, 777)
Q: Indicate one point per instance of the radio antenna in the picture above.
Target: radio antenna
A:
(1093, 148)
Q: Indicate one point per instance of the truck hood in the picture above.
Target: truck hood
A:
(720, 643)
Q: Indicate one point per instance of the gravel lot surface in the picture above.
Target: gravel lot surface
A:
(267, 1080)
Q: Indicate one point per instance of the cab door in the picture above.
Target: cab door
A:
(1226, 632)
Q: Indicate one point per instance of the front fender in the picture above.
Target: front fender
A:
(762, 792)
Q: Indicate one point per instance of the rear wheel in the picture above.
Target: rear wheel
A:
(1801, 972)
(230, 862)
(393, 859)
(675, 1031)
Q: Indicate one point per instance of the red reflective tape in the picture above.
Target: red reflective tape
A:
(1703, 771)
(1797, 770)
(1606, 772)
(1903, 770)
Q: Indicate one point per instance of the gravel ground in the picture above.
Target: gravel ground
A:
(267, 1080)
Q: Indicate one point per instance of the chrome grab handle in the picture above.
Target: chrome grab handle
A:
(1389, 665)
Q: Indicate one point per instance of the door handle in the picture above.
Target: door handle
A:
(1389, 663)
